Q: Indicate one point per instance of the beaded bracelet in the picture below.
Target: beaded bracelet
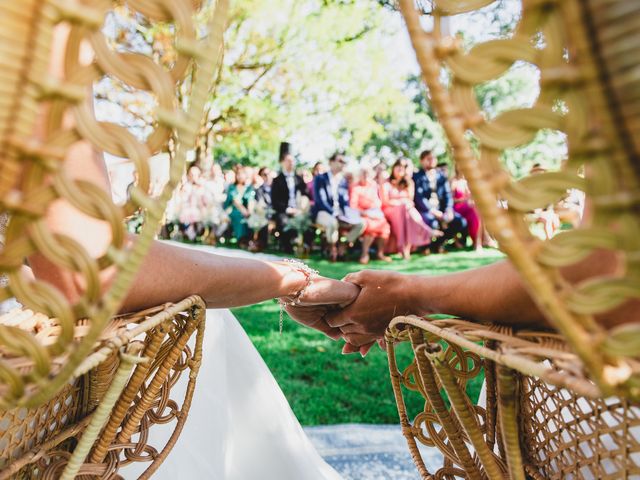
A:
(309, 274)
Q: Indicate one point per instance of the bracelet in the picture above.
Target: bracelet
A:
(309, 274)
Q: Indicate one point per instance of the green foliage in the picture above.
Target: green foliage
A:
(321, 68)
(409, 128)
(325, 387)
(292, 66)
(519, 88)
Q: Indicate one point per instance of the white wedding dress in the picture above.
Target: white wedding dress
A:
(240, 426)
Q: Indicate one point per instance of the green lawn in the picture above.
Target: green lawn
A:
(323, 386)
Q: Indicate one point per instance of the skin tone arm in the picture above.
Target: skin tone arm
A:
(493, 293)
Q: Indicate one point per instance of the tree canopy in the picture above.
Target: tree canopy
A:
(324, 73)
(301, 68)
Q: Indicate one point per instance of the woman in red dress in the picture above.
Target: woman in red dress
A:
(365, 197)
(407, 226)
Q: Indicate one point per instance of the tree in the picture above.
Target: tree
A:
(408, 128)
(290, 68)
(405, 131)
(314, 66)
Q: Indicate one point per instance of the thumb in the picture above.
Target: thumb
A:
(355, 278)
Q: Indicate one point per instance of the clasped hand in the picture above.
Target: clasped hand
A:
(357, 309)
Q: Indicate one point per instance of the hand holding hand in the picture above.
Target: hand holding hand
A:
(383, 296)
(324, 295)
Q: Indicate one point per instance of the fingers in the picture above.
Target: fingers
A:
(359, 340)
(365, 349)
(313, 317)
(338, 319)
(353, 328)
(348, 348)
(333, 333)
(355, 278)
(325, 291)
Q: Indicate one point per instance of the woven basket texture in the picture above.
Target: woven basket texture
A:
(560, 405)
(79, 386)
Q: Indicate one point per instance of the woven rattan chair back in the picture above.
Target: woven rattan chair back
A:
(80, 388)
(546, 412)
(30, 153)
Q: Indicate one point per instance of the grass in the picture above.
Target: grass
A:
(325, 387)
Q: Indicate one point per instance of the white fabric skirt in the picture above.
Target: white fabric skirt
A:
(240, 426)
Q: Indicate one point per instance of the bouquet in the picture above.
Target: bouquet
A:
(301, 222)
(259, 217)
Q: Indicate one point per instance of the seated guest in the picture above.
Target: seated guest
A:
(434, 201)
(365, 197)
(240, 200)
(214, 192)
(380, 174)
(331, 209)
(263, 192)
(407, 227)
(191, 204)
(263, 199)
(284, 197)
(317, 169)
(229, 178)
(546, 216)
(463, 204)
(307, 178)
(443, 168)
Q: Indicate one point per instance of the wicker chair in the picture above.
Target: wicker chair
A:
(80, 387)
(558, 405)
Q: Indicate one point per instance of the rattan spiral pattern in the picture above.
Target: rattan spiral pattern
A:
(40, 442)
(31, 153)
(542, 417)
(572, 65)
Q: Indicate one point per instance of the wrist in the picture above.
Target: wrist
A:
(296, 278)
(427, 295)
(293, 280)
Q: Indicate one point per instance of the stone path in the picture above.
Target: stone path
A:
(369, 452)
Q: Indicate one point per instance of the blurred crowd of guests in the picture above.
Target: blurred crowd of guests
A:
(369, 210)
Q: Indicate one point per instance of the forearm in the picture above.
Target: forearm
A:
(170, 273)
(497, 294)
(491, 294)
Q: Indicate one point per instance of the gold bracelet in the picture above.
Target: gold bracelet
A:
(309, 274)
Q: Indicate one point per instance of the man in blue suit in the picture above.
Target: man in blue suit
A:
(434, 201)
(331, 209)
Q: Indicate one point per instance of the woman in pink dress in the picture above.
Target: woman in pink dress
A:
(407, 227)
(365, 197)
(463, 204)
